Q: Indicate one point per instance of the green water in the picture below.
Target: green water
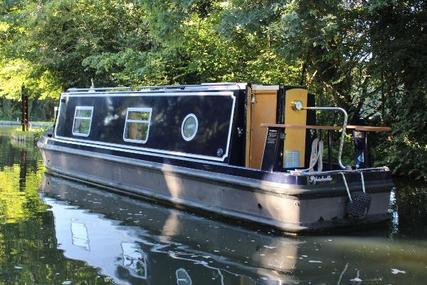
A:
(54, 231)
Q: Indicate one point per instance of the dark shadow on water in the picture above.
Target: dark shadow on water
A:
(410, 209)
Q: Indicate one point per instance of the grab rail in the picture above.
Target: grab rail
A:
(298, 106)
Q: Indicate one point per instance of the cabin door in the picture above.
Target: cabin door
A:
(262, 106)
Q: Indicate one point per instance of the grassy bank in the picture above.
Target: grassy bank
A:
(19, 136)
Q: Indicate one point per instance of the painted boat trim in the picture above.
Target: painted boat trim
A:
(152, 150)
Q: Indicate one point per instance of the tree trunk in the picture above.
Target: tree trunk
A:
(24, 110)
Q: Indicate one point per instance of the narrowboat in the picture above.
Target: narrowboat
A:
(249, 152)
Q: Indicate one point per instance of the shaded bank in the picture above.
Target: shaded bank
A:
(39, 110)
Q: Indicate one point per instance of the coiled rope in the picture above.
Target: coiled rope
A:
(316, 156)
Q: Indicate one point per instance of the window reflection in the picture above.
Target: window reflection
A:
(80, 235)
(134, 259)
(182, 277)
(137, 125)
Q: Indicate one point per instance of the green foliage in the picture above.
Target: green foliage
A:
(366, 56)
(16, 75)
(18, 71)
(399, 58)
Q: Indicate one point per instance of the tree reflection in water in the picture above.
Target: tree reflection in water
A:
(75, 234)
(28, 246)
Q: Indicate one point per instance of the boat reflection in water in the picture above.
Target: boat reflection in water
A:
(135, 242)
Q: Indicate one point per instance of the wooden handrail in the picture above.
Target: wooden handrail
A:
(369, 128)
(288, 126)
(328, 128)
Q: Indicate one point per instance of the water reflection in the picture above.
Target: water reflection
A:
(71, 233)
(410, 209)
(20, 176)
(28, 245)
(159, 245)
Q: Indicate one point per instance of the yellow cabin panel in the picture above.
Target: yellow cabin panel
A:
(294, 147)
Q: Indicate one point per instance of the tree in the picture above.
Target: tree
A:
(368, 57)
(398, 40)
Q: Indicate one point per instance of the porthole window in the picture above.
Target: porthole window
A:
(189, 127)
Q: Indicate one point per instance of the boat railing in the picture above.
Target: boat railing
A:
(175, 87)
(203, 86)
(99, 89)
(299, 107)
(342, 129)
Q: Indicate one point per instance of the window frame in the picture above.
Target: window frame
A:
(148, 122)
(84, 108)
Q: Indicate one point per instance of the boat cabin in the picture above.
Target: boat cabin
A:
(247, 125)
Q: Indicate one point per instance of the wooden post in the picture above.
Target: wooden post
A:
(24, 109)
(368, 162)
(329, 150)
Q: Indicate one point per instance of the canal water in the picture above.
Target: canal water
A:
(54, 231)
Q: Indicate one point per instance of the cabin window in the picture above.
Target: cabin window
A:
(82, 120)
(189, 127)
(137, 125)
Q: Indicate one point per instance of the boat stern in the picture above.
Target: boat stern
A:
(334, 199)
